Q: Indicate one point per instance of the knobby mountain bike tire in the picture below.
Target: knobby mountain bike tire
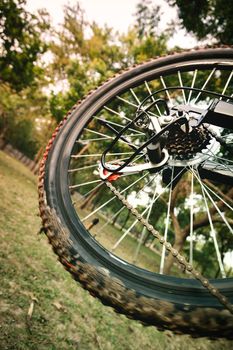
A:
(82, 218)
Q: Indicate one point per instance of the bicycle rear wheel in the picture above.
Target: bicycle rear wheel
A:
(188, 199)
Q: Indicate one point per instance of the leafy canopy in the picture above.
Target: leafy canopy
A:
(85, 54)
(20, 43)
(207, 18)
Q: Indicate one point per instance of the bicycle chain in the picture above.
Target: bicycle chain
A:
(180, 258)
(59, 240)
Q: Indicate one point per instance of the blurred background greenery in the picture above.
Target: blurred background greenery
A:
(45, 69)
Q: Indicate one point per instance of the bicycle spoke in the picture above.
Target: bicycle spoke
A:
(166, 225)
(227, 83)
(113, 117)
(127, 102)
(83, 168)
(152, 97)
(165, 87)
(204, 85)
(214, 204)
(192, 85)
(112, 198)
(141, 190)
(105, 137)
(96, 133)
(100, 154)
(221, 158)
(212, 231)
(228, 138)
(143, 231)
(128, 230)
(86, 141)
(110, 220)
(137, 133)
(183, 202)
(92, 190)
(117, 113)
(220, 166)
(220, 198)
(84, 184)
(220, 213)
(143, 213)
(181, 84)
(135, 96)
(191, 220)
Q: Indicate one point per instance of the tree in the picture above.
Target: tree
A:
(20, 43)
(24, 114)
(25, 121)
(147, 18)
(207, 18)
(144, 39)
(83, 62)
(80, 62)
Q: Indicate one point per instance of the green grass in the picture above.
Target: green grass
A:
(29, 269)
(109, 235)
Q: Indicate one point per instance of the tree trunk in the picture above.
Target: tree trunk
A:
(180, 237)
(2, 141)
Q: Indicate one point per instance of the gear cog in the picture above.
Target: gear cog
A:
(183, 145)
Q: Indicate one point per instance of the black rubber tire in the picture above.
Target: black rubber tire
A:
(181, 305)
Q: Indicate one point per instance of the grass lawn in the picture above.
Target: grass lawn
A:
(63, 315)
(107, 235)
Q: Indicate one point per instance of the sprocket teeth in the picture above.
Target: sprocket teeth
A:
(185, 146)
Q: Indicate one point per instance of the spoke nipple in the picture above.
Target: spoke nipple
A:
(205, 283)
(161, 240)
(214, 291)
(150, 228)
(168, 246)
(139, 217)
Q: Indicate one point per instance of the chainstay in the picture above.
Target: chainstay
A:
(180, 258)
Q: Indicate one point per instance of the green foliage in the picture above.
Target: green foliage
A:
(24, 119)
(147, 19)
(24, 115)
(20, 43)
(83, 61)
(207, 18)
(140, 49)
